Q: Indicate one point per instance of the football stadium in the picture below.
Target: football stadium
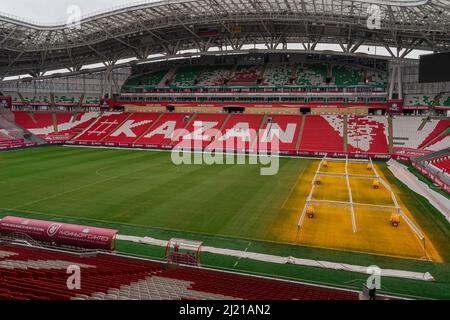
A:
(225, 150)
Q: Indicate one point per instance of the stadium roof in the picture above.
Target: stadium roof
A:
(171, 26)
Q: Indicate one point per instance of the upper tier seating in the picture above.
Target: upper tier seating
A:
(278, 75)
(444, 101)
(245, 75)
(132, 128)
(419, 100)
(280, 133)
(367, 134)
(311, 75)
(272, 74)
(239, 133)
(323, 133)
(88, 100)
(347, 76)
(163, 131)
(147, 80)
(37, 274)
(186, 76)
(59, 99)
(344, 76)
(36, 98)
(70, 99)
(104, 126)
(377, 78)
(214, 76)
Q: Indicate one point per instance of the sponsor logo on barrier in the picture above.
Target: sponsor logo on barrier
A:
(53, 229)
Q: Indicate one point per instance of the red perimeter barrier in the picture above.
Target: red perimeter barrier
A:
(432, 177)
(60, 233)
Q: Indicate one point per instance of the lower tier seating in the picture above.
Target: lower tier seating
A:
(367, 134)
(37, 274)
(239, 133)
(246, 75)
(411, 132)
(201, 131)
(323, 133)
(132, 128)
(293, 133)
(163, 131)
(280, 132)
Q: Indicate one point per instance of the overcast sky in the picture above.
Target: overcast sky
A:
(54, 11)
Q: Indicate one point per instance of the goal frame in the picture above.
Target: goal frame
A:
(183, 251)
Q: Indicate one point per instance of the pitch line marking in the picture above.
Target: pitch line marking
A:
(239, 259)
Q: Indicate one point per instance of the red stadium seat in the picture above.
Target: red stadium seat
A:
(38, 274)
(367, 134)
(132, 128)
(323, 133)
(282, 129)
(162, 132)
(103, 127)
(204, 125)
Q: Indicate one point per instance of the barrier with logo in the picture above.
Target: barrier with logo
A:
(60, 233)
(433, 177)
(15, 144)
(306, 153)
(406, 154)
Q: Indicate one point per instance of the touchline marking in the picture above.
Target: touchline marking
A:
(239, 259)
